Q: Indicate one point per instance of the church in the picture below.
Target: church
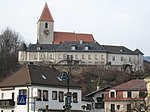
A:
(47, 35)
(55, 47)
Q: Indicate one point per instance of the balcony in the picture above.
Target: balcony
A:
(7, 103)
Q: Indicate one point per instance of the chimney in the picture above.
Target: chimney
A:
(81, 41)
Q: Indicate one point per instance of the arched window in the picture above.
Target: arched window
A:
(46, 25)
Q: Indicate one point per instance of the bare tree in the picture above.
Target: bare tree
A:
(10, 42)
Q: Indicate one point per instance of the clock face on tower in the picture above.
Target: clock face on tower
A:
(46, 32)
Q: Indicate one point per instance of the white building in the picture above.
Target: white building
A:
(40, 85)
(53, 47)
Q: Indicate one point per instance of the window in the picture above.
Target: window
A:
(102, 57)
(121, 58)
(50, 56)
(59, 56)
(99, 105)
(38, 48)
(40, 56)
(118, 107)
(96, 62)
(88, 107)
(128, 94)
(83, 57)
(64, 56)
(39, 95)
(34, 56)
(61, 96)
(76, 56)
(54, 95)
(13, 94)
(128, 107)
(96, 57)
(46, 25)
(112, 108)
(102, 96)
(69, 57)
(142, 107)
(99, 99)
(75, 97)
(86, 47)
(45, 95)
(23, 92)
(113, 58)
(142, 94)
(129, 59)
(2, 95)
(112, 94)
(73, 47)
(89, 56)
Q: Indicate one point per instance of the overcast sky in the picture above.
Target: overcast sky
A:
(112, 22)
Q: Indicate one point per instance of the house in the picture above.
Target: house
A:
(97, 97)
(55, 46)
(126, 97)
(37, 88)
(147, 81)
(120, 55)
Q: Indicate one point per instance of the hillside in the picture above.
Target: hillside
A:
(147, 58)
(89, 76)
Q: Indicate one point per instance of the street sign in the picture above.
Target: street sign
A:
(22, 100)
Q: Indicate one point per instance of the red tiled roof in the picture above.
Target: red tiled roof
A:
(132, 85)
(46, 14)
(68, 36)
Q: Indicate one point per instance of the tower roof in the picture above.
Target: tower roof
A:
(46, 14)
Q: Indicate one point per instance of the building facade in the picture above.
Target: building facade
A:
(42, 89)
(126, 97)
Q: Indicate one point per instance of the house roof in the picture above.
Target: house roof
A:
(42, 47)
(118, 49)
(137, 84)
(137, 51)
(67, 47)
(36, 75)
(60, 37)
(46, 14)
(23, 47)
(96, 91)
(80, 46)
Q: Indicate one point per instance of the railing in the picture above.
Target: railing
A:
(7, 103)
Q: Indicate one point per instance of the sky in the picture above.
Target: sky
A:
(111, 22)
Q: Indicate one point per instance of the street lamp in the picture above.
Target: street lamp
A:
(65, 76)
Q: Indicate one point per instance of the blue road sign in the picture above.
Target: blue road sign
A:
(22, 100)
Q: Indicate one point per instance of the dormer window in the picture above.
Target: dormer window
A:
(73, 47)
(86, 47)
(46, 25)
(121, 50)
(38, 48)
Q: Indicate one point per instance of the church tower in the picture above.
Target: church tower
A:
(45, 27)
